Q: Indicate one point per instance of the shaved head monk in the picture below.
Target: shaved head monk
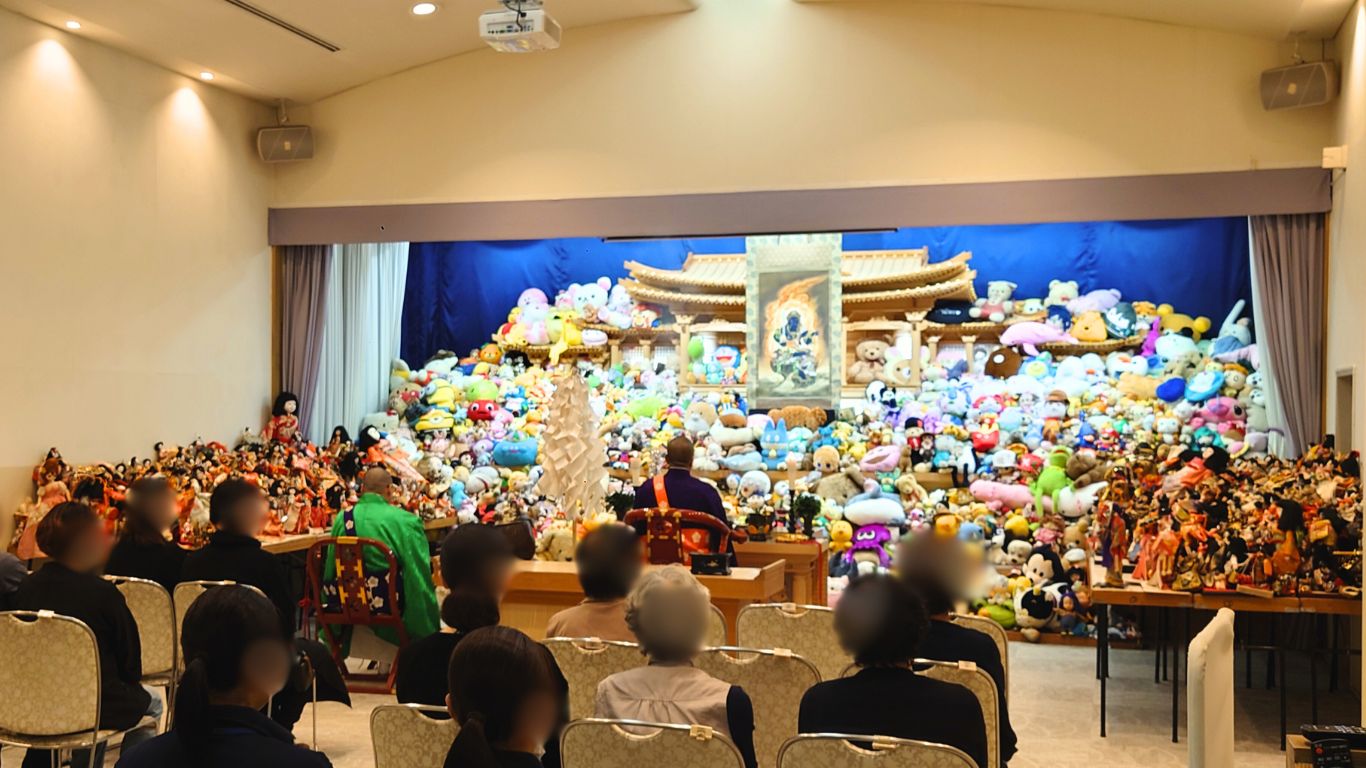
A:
(680, 489)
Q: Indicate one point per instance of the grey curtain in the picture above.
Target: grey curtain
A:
(303, 296)
(1287, 251)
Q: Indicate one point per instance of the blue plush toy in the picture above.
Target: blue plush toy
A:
(774, 444)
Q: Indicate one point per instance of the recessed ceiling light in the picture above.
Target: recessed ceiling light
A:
(424, 9)
(206, 76)
(73, 25)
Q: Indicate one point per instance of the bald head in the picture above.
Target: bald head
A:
(376, 480)
(679, 452)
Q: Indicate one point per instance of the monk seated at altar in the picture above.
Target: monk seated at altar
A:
(676, 488)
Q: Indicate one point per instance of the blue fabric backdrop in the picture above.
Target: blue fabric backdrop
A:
(459, 293)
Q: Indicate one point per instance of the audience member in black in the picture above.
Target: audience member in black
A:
(144, 550)
(504, 693)
(939, 570)
(476, 563)
(237, 509)
(12, 574)
(881, 622)
(73, 536)
(235, 660)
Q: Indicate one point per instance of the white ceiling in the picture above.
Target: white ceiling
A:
(1273, 19)
(258, 59)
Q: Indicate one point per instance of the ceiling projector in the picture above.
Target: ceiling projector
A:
(522, 26)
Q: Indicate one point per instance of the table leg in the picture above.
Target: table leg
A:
(1102, 646)
(1280, 668)
(1271, 659)
(1176, 681)
(1314, 672)
(1333, 658)
(1247, 653)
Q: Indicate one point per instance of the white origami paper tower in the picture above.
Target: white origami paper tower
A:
(573, 456)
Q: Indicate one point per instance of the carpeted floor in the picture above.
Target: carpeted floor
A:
(1055, 703)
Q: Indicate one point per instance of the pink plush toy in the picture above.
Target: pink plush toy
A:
(1220, 413)
(882, 458)
(1028, 334)
(998, 496)
(1095, 301)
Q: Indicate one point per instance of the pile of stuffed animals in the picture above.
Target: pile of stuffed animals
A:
(1152, 458)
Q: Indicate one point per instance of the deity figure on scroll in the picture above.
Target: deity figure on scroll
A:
(795, 348)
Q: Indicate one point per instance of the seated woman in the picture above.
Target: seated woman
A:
(938, 568)
(144, 549)
(235, 659)
(881, 622)
(608, 561)
(505, 695)
(476, 563)
(73, 536)
(668, 611)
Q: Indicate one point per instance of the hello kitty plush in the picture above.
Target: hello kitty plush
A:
(589, 299)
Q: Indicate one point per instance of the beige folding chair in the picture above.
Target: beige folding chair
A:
(806, 630)
(598, 743)
(775, 682)
(823, 750)
(998, 635)
(587, 661)
(50, 684)
(716, 627)
(154, 613)
(1209, 694)
(405, 737)
(975, 679)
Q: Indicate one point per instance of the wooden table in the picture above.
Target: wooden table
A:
(1297, 754)
(1185, 602)
(805, 566)
(541, 588)
(283, 545)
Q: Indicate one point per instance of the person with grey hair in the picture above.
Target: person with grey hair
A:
(668, 610)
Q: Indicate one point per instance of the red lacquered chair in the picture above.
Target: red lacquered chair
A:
(673, 535)
(355, 599)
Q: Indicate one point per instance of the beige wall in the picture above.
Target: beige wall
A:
(774, 94)
(135, 289)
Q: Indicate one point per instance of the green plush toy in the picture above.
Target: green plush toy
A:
(645, 407)
(1001, 614)
(1052, 479)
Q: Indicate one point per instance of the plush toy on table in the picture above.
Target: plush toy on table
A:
(869, 358)
(283, 426)
(997, 305)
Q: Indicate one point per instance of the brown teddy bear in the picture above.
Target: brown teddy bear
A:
(836, 485)
(798, 416)
(869, 356)
(899, 372)
(1085, 468)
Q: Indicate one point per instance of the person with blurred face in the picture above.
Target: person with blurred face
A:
(939, 569)
(609, 562)
(144, 549)
(73, 536)
(235, 660)
(504, 694)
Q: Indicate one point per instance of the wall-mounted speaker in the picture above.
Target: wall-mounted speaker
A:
(285, 143)
(1300, 85)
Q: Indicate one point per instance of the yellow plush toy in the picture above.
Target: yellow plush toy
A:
(841, 536)
(1175, 322)
(1088, 326)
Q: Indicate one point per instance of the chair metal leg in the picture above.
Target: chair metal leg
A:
(315, 713)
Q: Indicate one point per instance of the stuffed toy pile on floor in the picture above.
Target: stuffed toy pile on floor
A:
(1153, 455)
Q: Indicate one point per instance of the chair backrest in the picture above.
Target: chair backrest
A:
(155, 615)
(598, 743)
(353, 598)
(716, 627)
(50, 678)
(775, 682)
(824, 750)
(587, 661)
(405, 737)
(1209, 693)
(664, 533)
(975, 679)
(998, 635)
(806, 630)
(186, 592)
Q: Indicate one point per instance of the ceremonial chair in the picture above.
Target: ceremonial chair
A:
(673, 535)
(807, 630)
(775, 682)
(821, 750)
(587, 661)
(411, 735)
(600, 743)
(154, 613)
(355, 599)
(975, 679)
(998, 636)
(50, 684)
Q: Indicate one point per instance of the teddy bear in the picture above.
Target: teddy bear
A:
(797, 416)
(1175, 322)
(698, 418)
(899, 372)
(1060, 293)
(997, 305)
(556, 542)
(1085, 468)
(869, 356)
(1088, 326)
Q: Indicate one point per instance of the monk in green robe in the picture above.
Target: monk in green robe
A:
(374, 517)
